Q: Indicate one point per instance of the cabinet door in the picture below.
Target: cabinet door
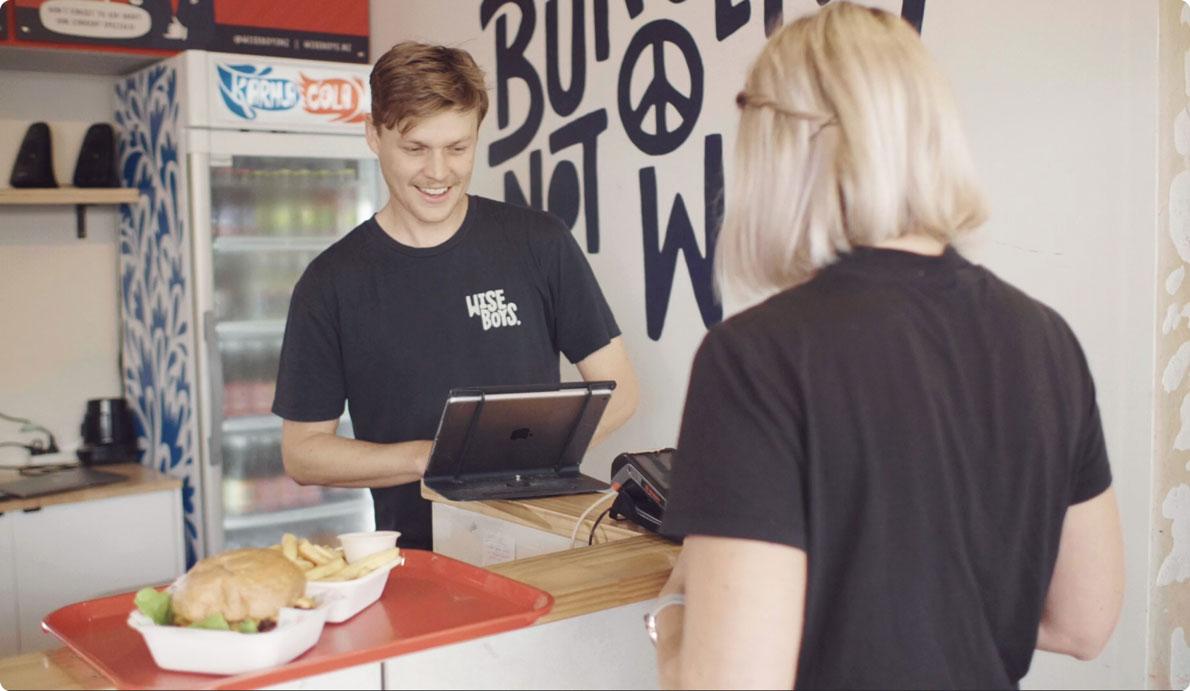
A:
(9, 639)
(71, 552)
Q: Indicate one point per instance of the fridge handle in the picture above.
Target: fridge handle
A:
(215, 441)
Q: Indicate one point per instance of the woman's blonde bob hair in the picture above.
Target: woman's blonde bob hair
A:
(848, 136)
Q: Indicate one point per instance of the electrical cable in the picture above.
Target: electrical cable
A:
(35, 447)
(610, 493)
(39, 469)
(591, 537)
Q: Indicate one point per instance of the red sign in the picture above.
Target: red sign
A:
(336, 96)
(311, 29)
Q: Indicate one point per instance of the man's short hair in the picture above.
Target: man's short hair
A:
(413, 81)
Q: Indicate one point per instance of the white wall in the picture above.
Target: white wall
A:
(1060, 105)
(1059, 101)
(59, 308)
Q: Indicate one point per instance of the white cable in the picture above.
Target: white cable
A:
(574, 535)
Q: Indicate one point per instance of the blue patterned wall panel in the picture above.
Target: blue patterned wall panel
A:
(158, 349)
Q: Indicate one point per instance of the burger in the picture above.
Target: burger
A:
(241, 590)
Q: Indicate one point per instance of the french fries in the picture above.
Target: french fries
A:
(316, 554)
(328, 569)
(365, 566)
(289, 546)
(320, 563)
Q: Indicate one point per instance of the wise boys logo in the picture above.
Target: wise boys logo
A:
(336, 96)
(493, 310)
(249, 89)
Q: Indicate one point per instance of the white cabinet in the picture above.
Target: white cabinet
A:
(65, 553)
(607, 649)
(9, 636)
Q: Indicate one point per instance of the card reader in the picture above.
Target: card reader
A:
(642, 480)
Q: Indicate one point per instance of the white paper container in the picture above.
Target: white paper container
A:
(345, 599)
(360, 546)
(184, 649)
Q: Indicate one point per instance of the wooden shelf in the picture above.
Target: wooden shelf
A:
(27, 56)
(69, 195)
(78, 197)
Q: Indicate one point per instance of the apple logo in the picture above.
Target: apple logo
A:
(520, 433)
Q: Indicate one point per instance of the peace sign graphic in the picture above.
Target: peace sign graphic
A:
(660, 95)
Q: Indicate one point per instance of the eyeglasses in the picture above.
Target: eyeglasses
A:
(745, 100)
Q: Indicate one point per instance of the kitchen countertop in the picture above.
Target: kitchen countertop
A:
(630, 567)
(140, 479)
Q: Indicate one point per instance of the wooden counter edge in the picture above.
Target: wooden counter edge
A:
(141, 479)
(596, 578)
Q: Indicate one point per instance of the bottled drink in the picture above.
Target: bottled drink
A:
(229, 286)
(231, 379)
(255, 293)
(347, 187)
(259, 498)
(238, 203)
(263, 378)
(280, 284)
(308, 200)
(237, 495)
(220, 210)
(257, 202)
(283, 209)
(326, 195)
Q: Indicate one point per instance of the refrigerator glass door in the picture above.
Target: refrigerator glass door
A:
(269, 217)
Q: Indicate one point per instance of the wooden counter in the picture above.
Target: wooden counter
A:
(590, 579)
(140, 479)
(629, 564)
(52, 669)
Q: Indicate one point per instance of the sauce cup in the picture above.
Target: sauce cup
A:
(357, 546)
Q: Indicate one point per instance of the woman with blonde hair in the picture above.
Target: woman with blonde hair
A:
(892, 472)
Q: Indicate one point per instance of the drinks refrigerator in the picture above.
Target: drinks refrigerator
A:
(248, 168)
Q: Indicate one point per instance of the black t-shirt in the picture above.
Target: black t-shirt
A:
(390, 329)
(919, 428)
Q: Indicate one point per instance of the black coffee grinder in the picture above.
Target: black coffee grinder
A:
(108, 433)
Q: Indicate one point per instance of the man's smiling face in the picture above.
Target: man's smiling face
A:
(428, 168)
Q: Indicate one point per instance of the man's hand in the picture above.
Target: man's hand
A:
(611, 363)
(314, 455)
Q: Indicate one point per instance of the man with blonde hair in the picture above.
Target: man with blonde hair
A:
(891, 473)
(440, 289)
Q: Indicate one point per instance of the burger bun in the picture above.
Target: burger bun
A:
(241, 584)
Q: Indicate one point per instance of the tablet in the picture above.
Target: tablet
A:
(516, 442)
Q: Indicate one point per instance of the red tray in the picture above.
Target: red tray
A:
(430, 601)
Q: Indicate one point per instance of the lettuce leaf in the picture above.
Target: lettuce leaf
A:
(155, 605)
(158, 607)
(215, 622)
